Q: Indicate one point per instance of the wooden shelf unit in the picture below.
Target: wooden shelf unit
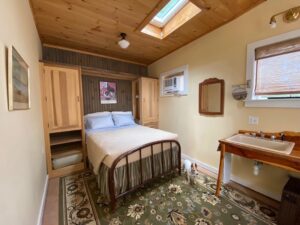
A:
(63, 117)
(64, 153)
(65, 137)
(58, 151)
(64, 130)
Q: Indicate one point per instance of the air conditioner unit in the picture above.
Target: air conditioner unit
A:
(173, 84)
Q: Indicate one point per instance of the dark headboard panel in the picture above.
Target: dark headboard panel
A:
(91, 95)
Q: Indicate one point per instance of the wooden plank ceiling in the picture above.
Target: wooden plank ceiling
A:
(95, 25)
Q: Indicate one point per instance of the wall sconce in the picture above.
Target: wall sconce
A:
(239, 91)
(289, 15)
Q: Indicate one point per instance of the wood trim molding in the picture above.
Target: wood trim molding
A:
(222, 94)
(91, 53)
(201, 4)
(184, 15)
(97, 72)
(152, 30)
(107, 74)
(55, 64)
(150, 16)
(181, 17)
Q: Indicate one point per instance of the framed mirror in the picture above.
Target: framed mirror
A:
(211, 97)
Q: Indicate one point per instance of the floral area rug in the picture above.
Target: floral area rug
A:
(169, 201)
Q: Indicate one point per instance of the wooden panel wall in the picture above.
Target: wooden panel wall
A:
(91, 95)
(69, 57)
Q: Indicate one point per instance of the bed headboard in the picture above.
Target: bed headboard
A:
(91, 95)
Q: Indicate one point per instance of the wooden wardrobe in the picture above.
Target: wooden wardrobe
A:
(62, 114)
(145, 94)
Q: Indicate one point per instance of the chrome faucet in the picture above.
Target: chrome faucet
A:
(282, 136)
(253, 134)
(273, 137)
(262, 135)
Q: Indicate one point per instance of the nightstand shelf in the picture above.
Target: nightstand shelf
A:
(66, 137)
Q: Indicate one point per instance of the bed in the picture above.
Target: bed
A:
(125, 158)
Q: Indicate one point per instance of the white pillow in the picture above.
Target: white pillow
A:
(122, 112)
(98, 122)
(105, 113)
(123, 119)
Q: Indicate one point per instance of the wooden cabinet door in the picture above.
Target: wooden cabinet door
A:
(62, 96)
(149, 100)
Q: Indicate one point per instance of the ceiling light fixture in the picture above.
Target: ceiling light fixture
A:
(123, 43)
(289, 15)
(273, 22)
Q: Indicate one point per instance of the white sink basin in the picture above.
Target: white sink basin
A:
(263, 144)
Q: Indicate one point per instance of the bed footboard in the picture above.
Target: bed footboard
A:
(125, 156)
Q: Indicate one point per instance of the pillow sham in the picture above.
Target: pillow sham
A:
(98, 122)
(123, 119)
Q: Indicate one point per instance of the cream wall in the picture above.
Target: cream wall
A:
(222, 54)
(22, 159)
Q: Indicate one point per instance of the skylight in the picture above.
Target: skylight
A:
(167, 12)
(170, 17)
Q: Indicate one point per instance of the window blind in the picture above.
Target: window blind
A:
(279, 74)
(284, 47)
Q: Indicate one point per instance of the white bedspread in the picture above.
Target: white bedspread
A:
(106, 146)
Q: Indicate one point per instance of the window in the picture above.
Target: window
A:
(171, 16)
(167, 12)
(274, 71)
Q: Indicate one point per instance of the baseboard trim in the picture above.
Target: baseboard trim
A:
(202, 164)
(236, 179)
(43, 201)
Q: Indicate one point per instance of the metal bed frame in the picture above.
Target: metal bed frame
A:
(111, 181)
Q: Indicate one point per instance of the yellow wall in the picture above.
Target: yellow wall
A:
(22, 159)
(222, 54)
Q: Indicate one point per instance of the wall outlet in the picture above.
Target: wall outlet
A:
(253, 120)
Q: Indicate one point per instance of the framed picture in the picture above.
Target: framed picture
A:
(18, 81)
(108, 92)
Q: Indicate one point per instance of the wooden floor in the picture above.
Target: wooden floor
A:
(52, 200)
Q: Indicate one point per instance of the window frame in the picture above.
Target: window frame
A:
(184, 92)
(185, 14)
(173, 11)
(252, 100)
